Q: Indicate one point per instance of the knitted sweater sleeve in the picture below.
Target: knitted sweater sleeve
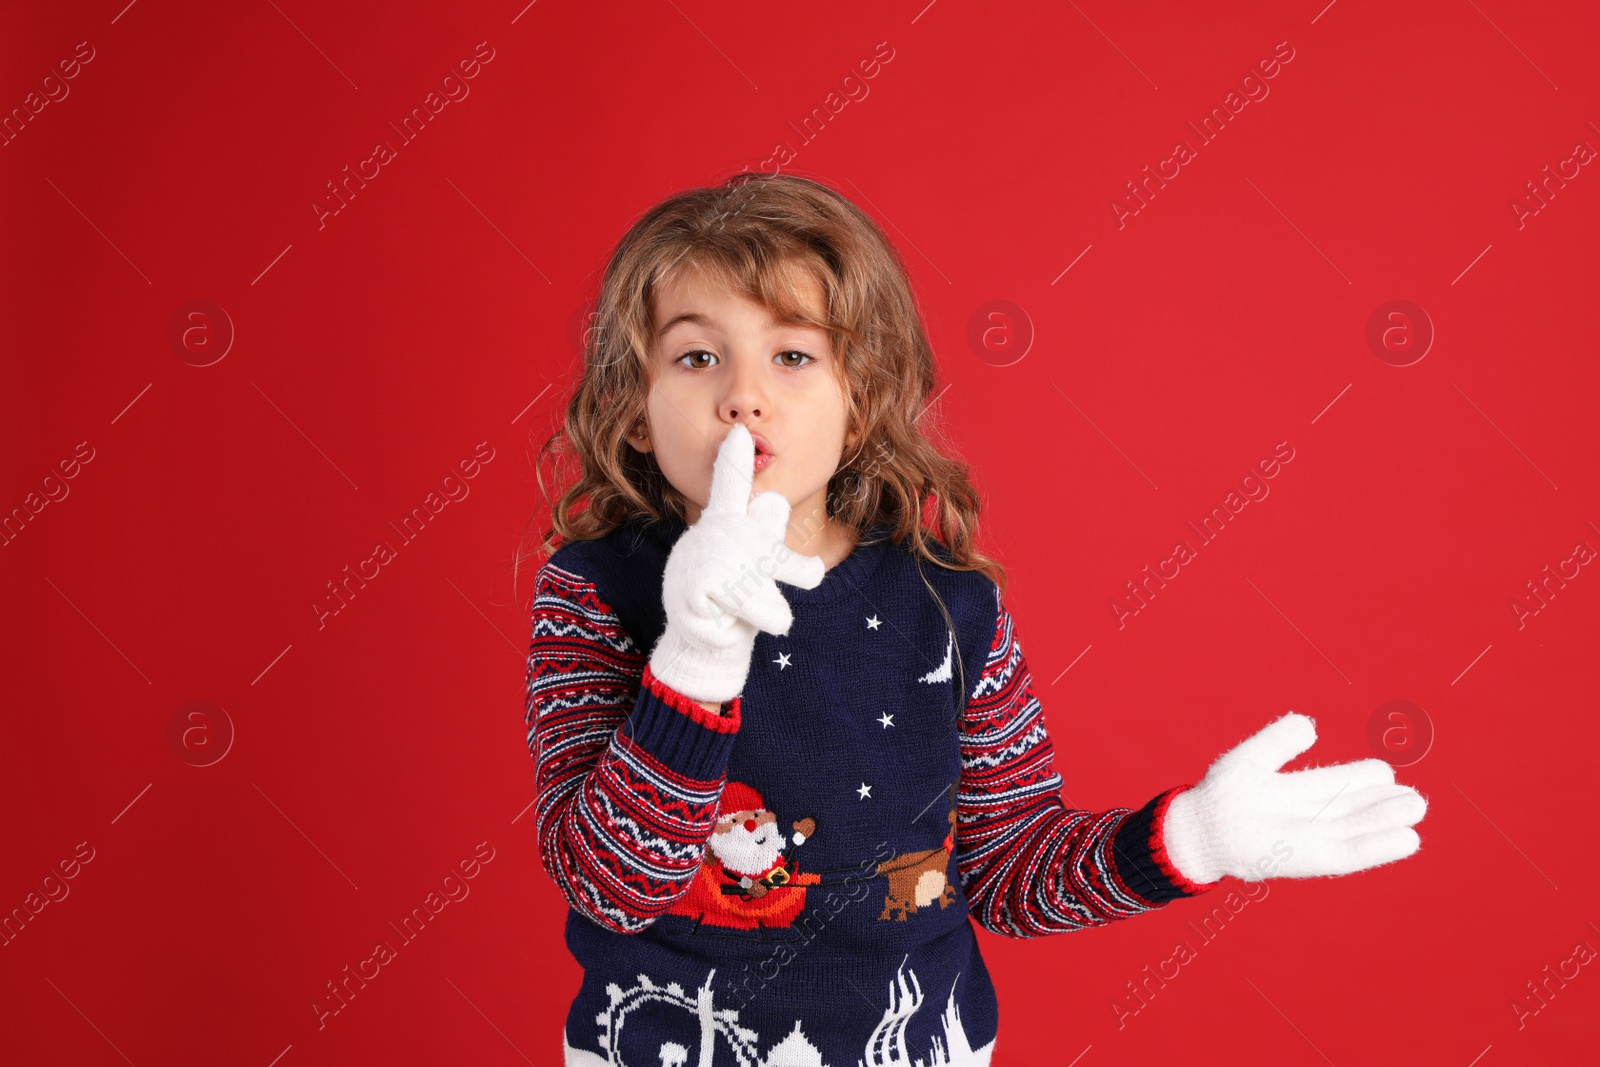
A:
(627, 772)
(1028, 863)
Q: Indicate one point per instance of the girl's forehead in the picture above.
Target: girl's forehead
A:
(692, 294)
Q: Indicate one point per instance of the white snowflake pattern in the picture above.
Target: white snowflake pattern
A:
(885, 1047)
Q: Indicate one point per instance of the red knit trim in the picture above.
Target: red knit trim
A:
(726, 723)
(1158, 846)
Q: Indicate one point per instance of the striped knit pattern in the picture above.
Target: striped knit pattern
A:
(1030, 865)
(620, 832)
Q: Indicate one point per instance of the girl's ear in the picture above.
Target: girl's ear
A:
(638, 438)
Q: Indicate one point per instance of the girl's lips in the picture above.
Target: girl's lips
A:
(762, 459)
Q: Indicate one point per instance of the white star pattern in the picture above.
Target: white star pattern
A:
(886, 719)
(873, 623)
(865, 791)
(782, 661)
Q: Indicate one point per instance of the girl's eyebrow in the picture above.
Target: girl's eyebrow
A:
(705, 321)
(695, 317)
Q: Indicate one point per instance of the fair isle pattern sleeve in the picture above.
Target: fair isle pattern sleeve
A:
(627, 773)
(1030, 865)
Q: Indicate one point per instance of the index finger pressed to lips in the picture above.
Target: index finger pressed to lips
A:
(733, 472)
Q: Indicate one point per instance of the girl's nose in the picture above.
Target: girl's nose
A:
(750, 825)
(746, 395)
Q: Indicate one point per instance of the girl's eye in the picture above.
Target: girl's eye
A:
(700, 359)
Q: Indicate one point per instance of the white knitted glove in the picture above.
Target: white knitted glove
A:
(1333, 820)
(720, 583)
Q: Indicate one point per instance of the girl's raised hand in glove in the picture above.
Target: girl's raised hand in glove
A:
(720, 583)
(1334, 820)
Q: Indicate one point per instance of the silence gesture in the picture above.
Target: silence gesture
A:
(1334, 820)
(720, 583)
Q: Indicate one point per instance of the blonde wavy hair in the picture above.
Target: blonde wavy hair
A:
(748, 233)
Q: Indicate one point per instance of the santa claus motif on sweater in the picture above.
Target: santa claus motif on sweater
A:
(746, 880)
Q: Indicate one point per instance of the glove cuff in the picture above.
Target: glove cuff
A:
(698, 672)
(1191, 839)
(1158, 844)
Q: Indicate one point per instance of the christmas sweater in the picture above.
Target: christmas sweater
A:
(795, 880)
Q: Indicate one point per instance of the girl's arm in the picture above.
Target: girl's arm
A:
(627, 772)
(1029, 865)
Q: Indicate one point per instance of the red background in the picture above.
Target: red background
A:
(433, 312)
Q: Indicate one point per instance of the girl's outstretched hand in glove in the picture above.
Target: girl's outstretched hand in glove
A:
(720, 583)
(1334, 820)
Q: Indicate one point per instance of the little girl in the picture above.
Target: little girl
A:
(785, 739)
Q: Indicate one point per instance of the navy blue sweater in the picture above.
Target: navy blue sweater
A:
(794, 881)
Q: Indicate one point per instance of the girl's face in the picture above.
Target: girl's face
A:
(719, 359)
